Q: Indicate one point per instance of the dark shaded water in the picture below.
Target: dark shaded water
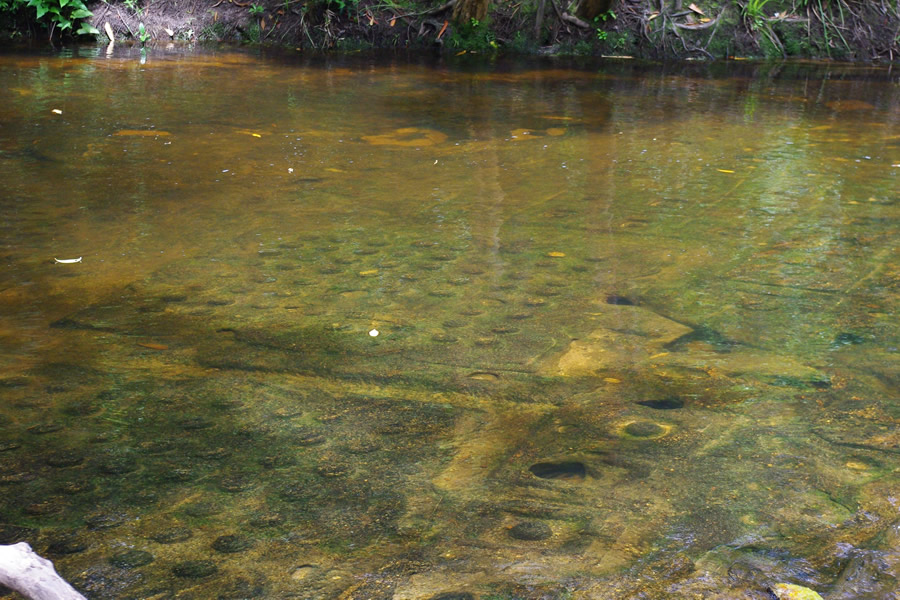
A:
(357, 328)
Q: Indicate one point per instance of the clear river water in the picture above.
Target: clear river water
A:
(292, 326)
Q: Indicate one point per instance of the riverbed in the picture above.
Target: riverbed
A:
(288, 326)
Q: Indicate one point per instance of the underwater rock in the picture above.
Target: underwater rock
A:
(644, 429)
(231, 544)
(104, 520)
(748, 575)
(531, 531)
(49, 506)
(268, 519)
(81, 408)
(195, 569)
(671, 403)
(131, 559)
(569, 470)
(304, 436)
(64, 459)
(243, 588)
(71, 543)
(172, 535)
(195, 423)
(11, 534)
(626, 335)
(333, 468)
(619, 300)
(866, 575)
(44, 428)
(117, 464)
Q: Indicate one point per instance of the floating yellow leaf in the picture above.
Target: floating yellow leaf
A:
(789, 591)
(460, 53)
(256, 135)
(661, 354)
(724, 170)
(612, 380)
(369, 272)
(556, 254)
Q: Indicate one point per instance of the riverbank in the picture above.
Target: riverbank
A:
(648, 29)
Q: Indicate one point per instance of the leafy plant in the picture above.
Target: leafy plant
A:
(143, 35)
(754, 14)
(601, 34)
(63, 15)
(256, 9)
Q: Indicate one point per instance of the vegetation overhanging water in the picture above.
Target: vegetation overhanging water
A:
(403, 328)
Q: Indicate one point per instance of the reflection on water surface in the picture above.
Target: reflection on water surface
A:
(636, 327)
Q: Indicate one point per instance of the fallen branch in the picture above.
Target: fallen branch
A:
(22, 570)
(567, 18)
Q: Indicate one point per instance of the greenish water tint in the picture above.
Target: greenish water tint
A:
(401, 328)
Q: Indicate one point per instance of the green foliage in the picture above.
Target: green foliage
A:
(476, 36)
(63, 15)
(753, 13)
(254, 33)
(212, 33)
(143, 36)
(521, 44)
(256, 9)
(603, 17)
(616, 42)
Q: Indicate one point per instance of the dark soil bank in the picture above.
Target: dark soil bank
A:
(655, 29)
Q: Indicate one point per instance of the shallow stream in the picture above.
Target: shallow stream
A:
(408, 328)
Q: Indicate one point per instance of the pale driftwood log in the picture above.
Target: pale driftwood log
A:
(22, 570)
